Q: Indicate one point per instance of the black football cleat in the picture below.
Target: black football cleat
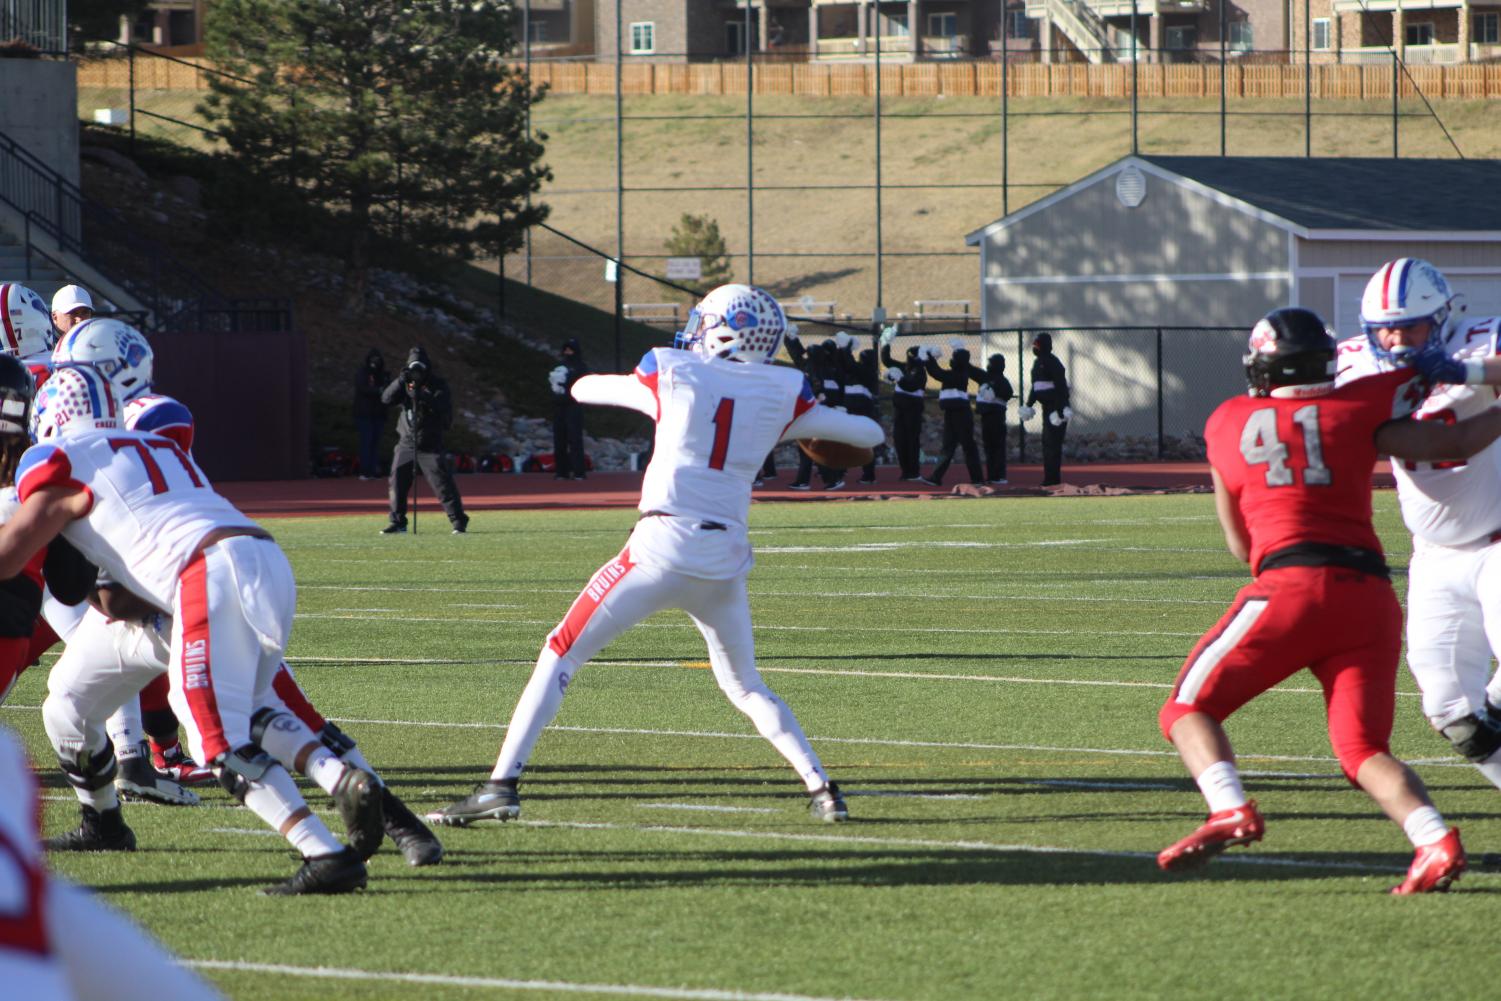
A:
(827, 805)
(138, 779)
(341, 872)
(491, 800)
(410, 835)
(357, 794)
(101, 831)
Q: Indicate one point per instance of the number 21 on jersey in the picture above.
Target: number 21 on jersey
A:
(1260, 445)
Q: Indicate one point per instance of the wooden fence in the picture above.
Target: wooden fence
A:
(956, 79)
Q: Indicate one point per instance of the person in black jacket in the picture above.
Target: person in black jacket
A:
(1049, 387)
(568, 414)
(426, 412)
(862, 389)
(369, 411)
(821, 365)
(990, 404)
(909, 383)
(958, 418)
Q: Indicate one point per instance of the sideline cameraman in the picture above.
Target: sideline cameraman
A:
(426, 412)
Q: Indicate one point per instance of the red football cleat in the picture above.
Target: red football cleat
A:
(1239, 826)
(1434, 866)
(174, 763)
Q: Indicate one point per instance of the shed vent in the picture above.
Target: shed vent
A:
(1130, 187)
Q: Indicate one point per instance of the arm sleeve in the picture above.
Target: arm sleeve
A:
(70, 577)
(933, 368)
(797, 353)
(393, 392)
(886, 361)
(824, 422)
(616, 391)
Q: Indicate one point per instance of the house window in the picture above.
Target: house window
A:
(1240, 35)
(1420, 33)
(943, 25)
(734, 37)
(1018, 25)
(538, 31)
(1321, 33)
(643, 37)
(896, 24)
(1180, 38)
(1487, 28)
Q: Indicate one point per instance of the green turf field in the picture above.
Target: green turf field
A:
(982, 677)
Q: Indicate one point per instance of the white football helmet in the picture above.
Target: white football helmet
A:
(116, 349)
(27, 324)
(1401, 293)
(75, 399)
(739, 322)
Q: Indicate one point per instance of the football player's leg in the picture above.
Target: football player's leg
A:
(619, 595)
(721, 610)
(1449, 654)
(234, 610)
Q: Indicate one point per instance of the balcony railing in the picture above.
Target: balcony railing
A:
(945, 46)
(849, 48)
(1413, 55)
(41, 24)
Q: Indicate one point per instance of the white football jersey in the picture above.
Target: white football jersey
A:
(716, 422)
(1445, 503)
(152, 505)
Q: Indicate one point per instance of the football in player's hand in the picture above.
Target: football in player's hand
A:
(839, 455)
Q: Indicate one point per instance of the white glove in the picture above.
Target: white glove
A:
(843, 339)
(956, 345)
(894, 375)
(1068, 413)
(1056, 419)
(930, 351)
(791, 333)
(985, 394)
(558, 378)
(1026, 413)
(888, 334)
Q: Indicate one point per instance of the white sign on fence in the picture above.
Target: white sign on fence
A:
(611, 270)
(685, 268)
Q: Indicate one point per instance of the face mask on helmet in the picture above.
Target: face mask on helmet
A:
(1289, 347)
(25, 322)
(1406, 293)
(117, 350)
(74, 400)
(737, 322)
(16, 391)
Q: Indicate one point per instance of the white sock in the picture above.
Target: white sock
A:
(355, 758)
(1220, 784)
(535, 709)
(1424, 826)
(311, 837)
(324, 769)
(1491, 769)
(274, 798)
(125, 729)
(101, 799)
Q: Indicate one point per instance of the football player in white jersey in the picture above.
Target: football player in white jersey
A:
(718, 410)
(26, 329)
(314, 747)
(1453, 509)
(139, 508)
(58, 943)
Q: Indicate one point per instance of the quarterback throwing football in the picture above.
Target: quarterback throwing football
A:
(718, 412)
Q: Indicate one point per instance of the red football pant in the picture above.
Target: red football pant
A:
(1344, 626)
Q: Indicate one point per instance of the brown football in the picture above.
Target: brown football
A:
(837, 454)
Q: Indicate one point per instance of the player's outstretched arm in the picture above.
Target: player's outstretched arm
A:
(1227, 508)
(824, 422)
(616, 391)
(43, 514)
(1431, 441)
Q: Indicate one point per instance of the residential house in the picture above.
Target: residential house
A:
(1430, 31)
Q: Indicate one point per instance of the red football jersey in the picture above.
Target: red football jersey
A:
(1300, 467)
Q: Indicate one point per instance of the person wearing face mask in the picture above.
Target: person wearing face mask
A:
(1049, 385)
(990, 403)
(909, 381)
(958, 418)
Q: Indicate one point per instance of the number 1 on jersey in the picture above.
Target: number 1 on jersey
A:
(1260, 445)
(724, 415)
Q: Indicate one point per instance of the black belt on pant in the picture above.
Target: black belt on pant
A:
(710, 526)
(1323, 554)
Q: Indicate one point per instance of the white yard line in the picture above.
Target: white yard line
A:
(823, 593)
(497, 983)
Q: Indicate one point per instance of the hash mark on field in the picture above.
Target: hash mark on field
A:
(498, 983)
(707, 808)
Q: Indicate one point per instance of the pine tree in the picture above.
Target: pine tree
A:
(699, 236)
(401, 117)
